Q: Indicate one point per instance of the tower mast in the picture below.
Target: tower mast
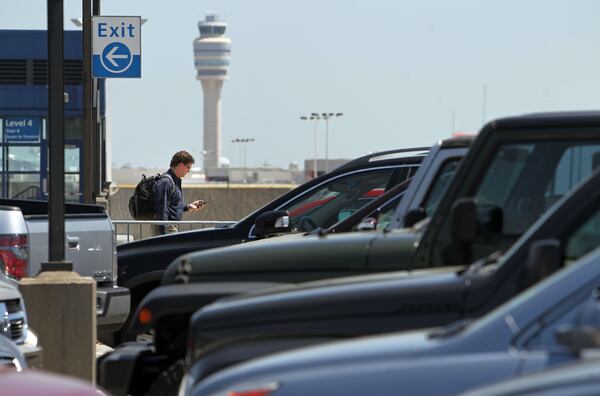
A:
(212, 52)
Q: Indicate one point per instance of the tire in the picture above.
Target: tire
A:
(168, 381)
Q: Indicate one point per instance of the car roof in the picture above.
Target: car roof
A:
(412, 155)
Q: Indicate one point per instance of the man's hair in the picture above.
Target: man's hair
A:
(182, 157)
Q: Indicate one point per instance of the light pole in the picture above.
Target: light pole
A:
(243, 141)
(326, 117)
(314, 117)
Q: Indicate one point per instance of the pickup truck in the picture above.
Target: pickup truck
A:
(13, 256)
(12, 356)
(550, 324)
(141, 264)
(425, 189)
(537, 158)
(90, 245)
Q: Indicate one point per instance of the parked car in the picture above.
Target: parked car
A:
(90, 245)
(13, 356)
(171, 306)
(538, 329)
(539, 157)
(40, 383)
(252, 325)
(14, 259)
(141, 264)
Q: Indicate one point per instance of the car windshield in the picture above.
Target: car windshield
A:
(520, 182)
(336, 200)
(374, 215)
(439, 185)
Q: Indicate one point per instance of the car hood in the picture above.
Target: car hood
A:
(411, 363)
(376, 348)
(312, 306)
(351, 284)
(167, 239)
(8, 291)
(344, 252)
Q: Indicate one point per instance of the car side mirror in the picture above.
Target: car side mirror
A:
(544, 258)
(463, 223)
(578, 338)
(585, 332)
(272, 222)
(413, 217)
(367, 224)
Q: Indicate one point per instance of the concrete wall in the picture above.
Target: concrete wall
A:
(224, 203)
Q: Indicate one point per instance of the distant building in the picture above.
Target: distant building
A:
(212, 52)
(262, 175)
(24, 128)
(236, 175)
(265, 175)
(321, 166)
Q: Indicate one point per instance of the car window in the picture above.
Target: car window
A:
(526, 179)
(386, 214)
(439, 185)
(380, 217)
(520, 183)
(337, 199)
(584, 240)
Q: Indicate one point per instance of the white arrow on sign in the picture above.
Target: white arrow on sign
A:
(111, 56)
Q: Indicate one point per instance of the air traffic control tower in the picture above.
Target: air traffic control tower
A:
(212, 51)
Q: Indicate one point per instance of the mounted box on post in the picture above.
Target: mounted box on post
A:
(116, 47)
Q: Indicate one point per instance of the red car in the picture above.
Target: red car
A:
(43, 383)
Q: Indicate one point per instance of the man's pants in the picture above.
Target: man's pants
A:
(164, 229)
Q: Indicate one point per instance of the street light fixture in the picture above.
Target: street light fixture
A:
(326, 117)
(314, 118)
(243, 141)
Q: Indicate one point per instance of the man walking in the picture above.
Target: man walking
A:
(168, 196)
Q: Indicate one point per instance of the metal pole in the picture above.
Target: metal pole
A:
(96, 135)
(244, 142)
(315, 152)
(87, 175)
(56, 134)
(326, 144)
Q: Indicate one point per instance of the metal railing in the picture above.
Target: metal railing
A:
(137, 229)
(31, 192)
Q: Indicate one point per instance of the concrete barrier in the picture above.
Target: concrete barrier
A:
(232, 202)
(61, 310)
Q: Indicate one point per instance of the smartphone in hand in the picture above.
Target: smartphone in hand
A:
(197, 205)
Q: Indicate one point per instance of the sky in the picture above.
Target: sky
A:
(403, 73)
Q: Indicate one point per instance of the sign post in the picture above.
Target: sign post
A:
(116, 47)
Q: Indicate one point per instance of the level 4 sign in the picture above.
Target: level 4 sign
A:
(22, 129)
(116, 47)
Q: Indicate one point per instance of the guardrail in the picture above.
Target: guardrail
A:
(136, 229)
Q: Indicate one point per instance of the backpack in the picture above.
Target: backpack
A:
(141, 203)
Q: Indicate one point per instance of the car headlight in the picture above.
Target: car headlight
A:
(263, 389)
(31, 338)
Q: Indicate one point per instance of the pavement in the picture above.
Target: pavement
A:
(101, 349)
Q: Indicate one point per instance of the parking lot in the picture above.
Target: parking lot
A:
(324, 198)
